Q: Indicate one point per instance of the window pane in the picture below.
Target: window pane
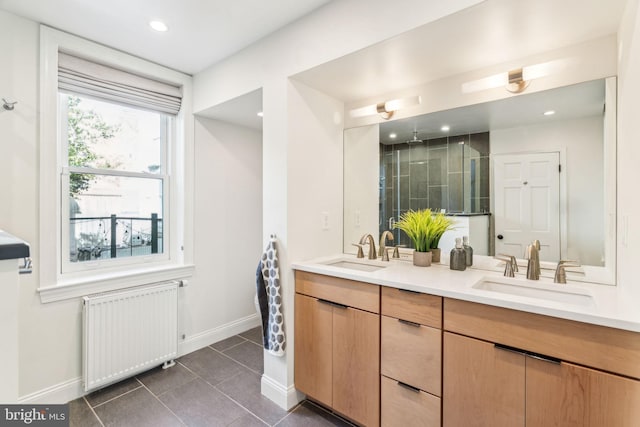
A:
(115, 217)
(111, 136)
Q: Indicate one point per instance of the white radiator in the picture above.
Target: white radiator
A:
(127, 332)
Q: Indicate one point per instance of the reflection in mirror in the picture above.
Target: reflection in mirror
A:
(444, 174)
(533, 166)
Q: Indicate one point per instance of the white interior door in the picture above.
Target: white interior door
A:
(527, 203)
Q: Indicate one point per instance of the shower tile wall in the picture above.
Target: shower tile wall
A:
(476, 167)
(449, 173)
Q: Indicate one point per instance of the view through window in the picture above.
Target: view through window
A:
(115, 179)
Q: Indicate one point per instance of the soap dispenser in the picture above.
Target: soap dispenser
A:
(458, 257)
(468, 250)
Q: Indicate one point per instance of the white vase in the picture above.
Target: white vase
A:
(422, 259)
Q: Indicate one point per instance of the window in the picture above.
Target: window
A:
(115, 178)
(116, 170)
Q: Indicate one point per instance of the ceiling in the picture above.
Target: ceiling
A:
(242, 110)
(569, 102)
(201, 32)
(492, 32)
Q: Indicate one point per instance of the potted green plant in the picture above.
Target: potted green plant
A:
(417, 226)
(439, 225)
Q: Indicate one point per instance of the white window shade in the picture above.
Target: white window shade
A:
(86, 77)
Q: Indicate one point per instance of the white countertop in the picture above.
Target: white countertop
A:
(607, 306)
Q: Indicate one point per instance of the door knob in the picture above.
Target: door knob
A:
(500, 237)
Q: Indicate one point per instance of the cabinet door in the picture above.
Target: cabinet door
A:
(482, 385)
(356, 365)
(313, 342)
(562, 394)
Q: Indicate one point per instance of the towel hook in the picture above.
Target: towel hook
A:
(7, 105)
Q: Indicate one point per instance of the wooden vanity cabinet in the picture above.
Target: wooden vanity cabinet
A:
(337, 345)
(411, 358)
(509, 368)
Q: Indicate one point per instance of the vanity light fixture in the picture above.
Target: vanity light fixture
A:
(158, 26)
(515, 80)
(387, 108)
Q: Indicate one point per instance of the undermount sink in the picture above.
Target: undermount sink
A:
(353, 265)
(525, 288)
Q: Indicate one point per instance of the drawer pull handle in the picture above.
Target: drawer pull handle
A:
(335, 304)
(406, 322)
(410, 291)
(544, 358)
(531, 354)
(409, 387)
(511, 349)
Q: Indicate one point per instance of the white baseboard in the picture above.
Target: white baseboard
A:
(57, 394)
(72, 389)
(281, 395)
(205, 338)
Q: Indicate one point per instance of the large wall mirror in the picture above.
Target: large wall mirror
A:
(534, 166)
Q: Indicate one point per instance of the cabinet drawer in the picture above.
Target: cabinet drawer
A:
(411, 354)
(413, 306)
(401, 406)
(360, 295)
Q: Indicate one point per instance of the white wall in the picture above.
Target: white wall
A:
(361, 189)
(581, 140)
(228, 232)
(49, 336)
(303, 182)
(628, 249)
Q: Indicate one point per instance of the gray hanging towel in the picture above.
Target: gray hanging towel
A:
(270, 301)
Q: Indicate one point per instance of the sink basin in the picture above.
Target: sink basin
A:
(549, 292)
(352, 265)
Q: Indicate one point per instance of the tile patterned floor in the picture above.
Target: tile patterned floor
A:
(217, 385)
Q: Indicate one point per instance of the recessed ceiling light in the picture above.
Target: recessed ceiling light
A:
(260, 114)
(549, 113)
(392, 135)
(159, 26)
(445, 128)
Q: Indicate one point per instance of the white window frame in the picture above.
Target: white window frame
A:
(56, 283)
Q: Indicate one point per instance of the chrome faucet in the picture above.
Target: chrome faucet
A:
(383, 244)
(532, 253)
(368, 238)
(561, 274)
